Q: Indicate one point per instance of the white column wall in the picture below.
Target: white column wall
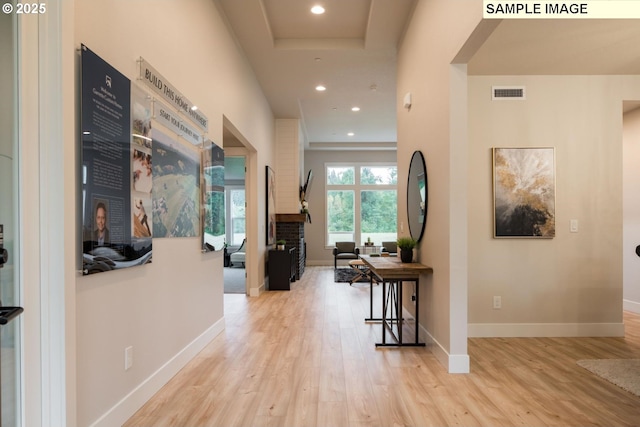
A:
(437, 32)
(287, 166)
(46, 125)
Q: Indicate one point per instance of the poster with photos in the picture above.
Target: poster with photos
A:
(176, 187)
(141, 164)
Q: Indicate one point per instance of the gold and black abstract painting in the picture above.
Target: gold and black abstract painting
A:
(524, 192)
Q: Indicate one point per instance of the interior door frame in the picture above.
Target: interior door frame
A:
(47, 176)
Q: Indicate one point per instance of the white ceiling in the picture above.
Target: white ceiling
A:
(560, 47)
(351, 49)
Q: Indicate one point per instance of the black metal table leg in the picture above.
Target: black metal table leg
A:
(392, 302)
(417, 307)
(399, 310)
(371, 318)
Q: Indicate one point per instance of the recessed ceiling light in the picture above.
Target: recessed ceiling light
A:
(320, 88)
(355, 108)
(317, 10)
(351, 134)
(194, 108)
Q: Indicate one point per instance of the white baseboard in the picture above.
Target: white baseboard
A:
(454, 363)
(631, 306)
(255, 292)
(323, 263)
(124, 409)
(530, 330)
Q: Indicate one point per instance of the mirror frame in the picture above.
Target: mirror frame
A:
(417, 167)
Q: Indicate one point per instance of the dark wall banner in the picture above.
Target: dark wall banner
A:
(107, 159)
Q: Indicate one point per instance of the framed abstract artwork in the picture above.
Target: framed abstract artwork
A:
(524, 192)
(271, 206)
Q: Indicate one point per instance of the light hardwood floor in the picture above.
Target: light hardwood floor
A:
(307, 358)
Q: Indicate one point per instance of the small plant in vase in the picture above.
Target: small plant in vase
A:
(280, 244)
(406, 245)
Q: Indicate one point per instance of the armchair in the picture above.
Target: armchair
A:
(238, 256)
(390, 247)
(345, 250)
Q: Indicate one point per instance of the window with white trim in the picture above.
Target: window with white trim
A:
(362, 203)
(236, 210)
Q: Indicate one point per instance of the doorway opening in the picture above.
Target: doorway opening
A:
(235, 278)
(630, 206)
(236, 145)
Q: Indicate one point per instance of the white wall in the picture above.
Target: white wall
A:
(437, 32)
(168, 309)
(287, 167)
(570, 285)
(314, 233)
(631, 210)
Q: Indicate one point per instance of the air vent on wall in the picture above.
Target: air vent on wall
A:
(508, 93)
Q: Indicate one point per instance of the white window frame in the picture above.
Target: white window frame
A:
(229, 230)
(357, 189)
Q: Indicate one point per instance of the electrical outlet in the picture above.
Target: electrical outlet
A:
(128, 358)
(497, 302)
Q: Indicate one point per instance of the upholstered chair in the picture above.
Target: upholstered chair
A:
(390, 247)
(238, 257)
(345, 250)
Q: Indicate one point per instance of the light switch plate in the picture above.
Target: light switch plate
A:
(574, 225)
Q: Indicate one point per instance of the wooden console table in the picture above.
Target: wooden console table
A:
(393, 271)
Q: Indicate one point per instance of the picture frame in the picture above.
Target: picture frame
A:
(271, 206)
(524, 192)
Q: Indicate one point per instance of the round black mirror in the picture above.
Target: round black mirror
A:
(417, 195)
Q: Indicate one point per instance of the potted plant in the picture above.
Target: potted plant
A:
(406, 245)
(280, 244)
